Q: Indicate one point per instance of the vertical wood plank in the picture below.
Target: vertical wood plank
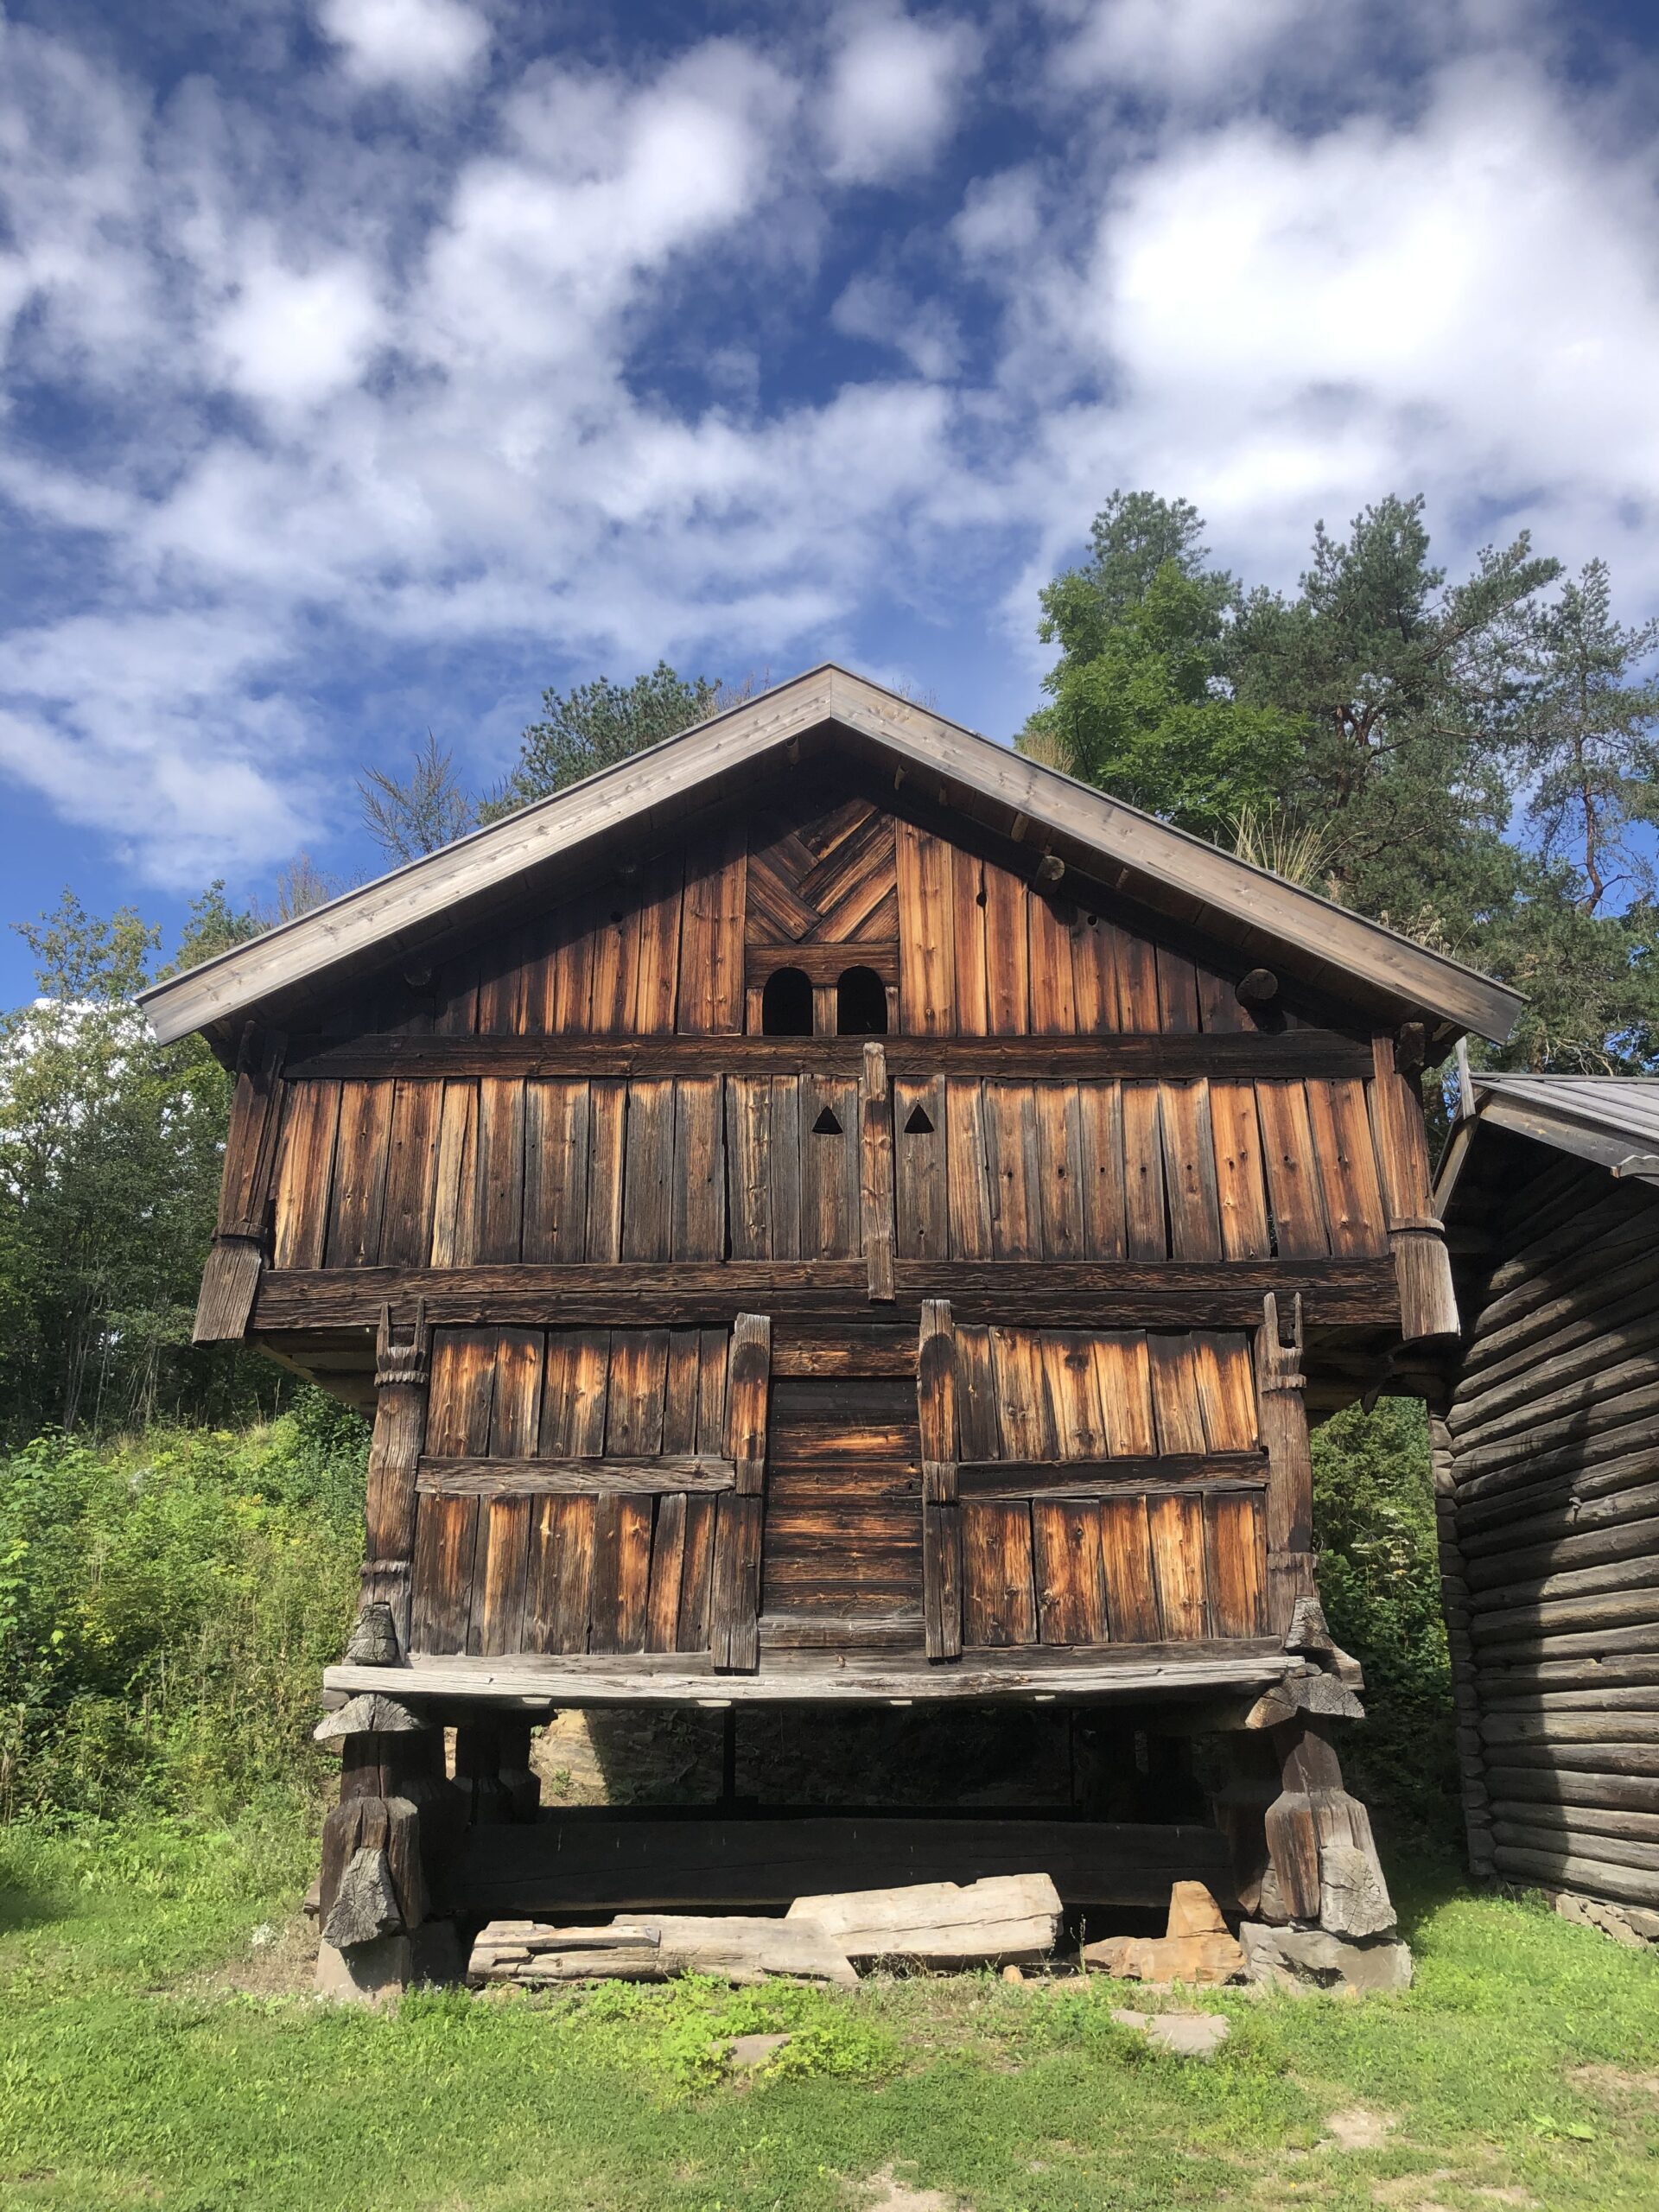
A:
(942, 1610)
(711, 935)
(1143, 1172)
(789, 1135)
(829, 1168)
(558, 1145)
(978, 1422)
(735, 1603)
(636, 1393)
(1219, 1011)
(607, 1178)
(1105, 1224)
(658, 935)
(699, 1191)
(1048, 951)
(1027, 1417)
(748, 1385)
(1346, 1161)
(921, 1196)
(1126, 1553)
(502, 1542)
(667, 1568)
(454, 1213)
(1123, 1376)
(967, 1171)
(925, 995)
(876, 1190)
(587, 1386)
(1008, 990)
(1178, 994)
(1241, 1183)
(304, 1174)
(1070, 1579)
(1009, 1119)
(680, 1391)
(1292, 1188)
(936, 1396)
(359, 1182)
(500, 1169)
(648, 1177)
(1190, 1171)
(1060, 1186)
(1177, 1525)
(1237, 1565)
(411, 1175)
(968, 929)
(1226, 1390)
(1175, 1394)
(697, 1576)
(570, 974)
(1137, 983)
(1073, 1385)
(1093, 977)
(748, 1139)
(999, 1608)
(459, 1403)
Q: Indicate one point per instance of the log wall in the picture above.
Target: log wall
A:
(1547, 1464)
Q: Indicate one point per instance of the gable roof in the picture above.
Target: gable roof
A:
(1613, 1121)
(1102, 838)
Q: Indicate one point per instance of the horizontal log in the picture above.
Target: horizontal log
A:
(563, 1862)
(1642, 1698)
(1623, 1758)
(1236, 1056)
(668, 1472)
(1562, 1786)
(1612, 1577)
(1627, 1884)
(1540, 1563)
(1575, 1842)
(1587, 1819)
(1620, 1726)
(1608, 1369)
(1567, 1431)
(1572, 1516)
(1613, 1298)
(898, 1631)
(1172, 1293)
(1129, 1671)
(1626, 1609)
(1570, 1252)
(1529, 1648)
(1598, 1468)
(852, 1352)
(1016, 1478)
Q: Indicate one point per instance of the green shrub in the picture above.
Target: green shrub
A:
(166, 1604)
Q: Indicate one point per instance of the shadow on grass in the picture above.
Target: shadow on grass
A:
(25, 1904)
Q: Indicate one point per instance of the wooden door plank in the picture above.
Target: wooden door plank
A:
(1070, 1579)
(1241, 1184)
(1008, 990)
(1131, 1588)
(454, 1213)
(1237, 1566)
(1293, 1187)
(558, 1145)
(1123, 1376)
(357, 1196)
(1190, 1171)
(1143, 1172)
(999, 1607)
(925, 994)
(1177, 1525)
(1346, 1161)
(305, 1174)
(1060, 1188)
(922, 1225)
(1100, 1116)
(500, 1170)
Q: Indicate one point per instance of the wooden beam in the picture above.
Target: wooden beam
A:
(657, 1476)
(1169, 1470)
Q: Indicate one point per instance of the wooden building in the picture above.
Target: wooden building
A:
(1545, 1436)
(829, 1211)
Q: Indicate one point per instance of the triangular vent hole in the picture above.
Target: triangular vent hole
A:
(827, 1125)
(918, 1125)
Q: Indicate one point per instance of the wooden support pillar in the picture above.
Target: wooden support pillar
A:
(402, 1369)
(936, 1406)
(1282, 1413)
(734, 1627)
(231, 1277)
(492, 1776)
(1322, 1870)
(875, 1176)
(1429, 1304)
(1465, 1698)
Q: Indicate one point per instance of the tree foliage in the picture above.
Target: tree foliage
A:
(595, 725)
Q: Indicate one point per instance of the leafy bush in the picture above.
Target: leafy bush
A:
(1379, 1580)
(166, 1605)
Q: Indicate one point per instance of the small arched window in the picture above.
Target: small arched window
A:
(861, 1004)
(786, 1004)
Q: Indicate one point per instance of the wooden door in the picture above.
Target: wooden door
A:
(844, 1538)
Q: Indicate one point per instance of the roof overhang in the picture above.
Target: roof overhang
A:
(647, 796)
(1581, 1122)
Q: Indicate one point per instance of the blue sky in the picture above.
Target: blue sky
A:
(371, 363)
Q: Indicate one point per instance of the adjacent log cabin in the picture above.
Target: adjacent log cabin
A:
(1546, 1433)
(830, 1211)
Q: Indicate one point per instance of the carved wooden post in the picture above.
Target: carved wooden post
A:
(231, 1276)
(402, 1369)
(875, 1178)
(736, 1624)
(1283, 1415)
(374, 1894)
(1429, 1304)
(1322, 1868)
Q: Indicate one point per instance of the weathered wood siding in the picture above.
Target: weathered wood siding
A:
(1547, 1468)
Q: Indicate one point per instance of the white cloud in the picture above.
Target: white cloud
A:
(291, 338)
(1183, 47)
(921, 331)
(419, 44)
(894, 92)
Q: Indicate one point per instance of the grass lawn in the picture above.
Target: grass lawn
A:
(154, 2051)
